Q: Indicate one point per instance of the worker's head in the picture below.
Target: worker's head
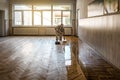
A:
(61, 24)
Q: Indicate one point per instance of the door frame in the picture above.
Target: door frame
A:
(77, 20)
(2, 17)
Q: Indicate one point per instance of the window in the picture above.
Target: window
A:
(47, 18)
(62, 14)
(37, 18)
(57, 17)
(27, 17)
(23, 15)
(61, 7)
(66, 17)
(22, 7)
(42, 7)
(42, 15)
(18, 18)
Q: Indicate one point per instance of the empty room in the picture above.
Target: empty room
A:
(59, 39)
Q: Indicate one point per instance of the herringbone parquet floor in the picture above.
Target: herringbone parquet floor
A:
(38, 58)
(94, 66)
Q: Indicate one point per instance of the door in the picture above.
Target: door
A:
(2, 28)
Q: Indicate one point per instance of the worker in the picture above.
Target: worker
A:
(59, 33)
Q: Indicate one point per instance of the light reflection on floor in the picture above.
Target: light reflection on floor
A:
(74, 71)
(27, 49)
(38, 58)
(67, 56)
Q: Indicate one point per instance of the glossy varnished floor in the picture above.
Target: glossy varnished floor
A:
(38, 58)
(94, 66)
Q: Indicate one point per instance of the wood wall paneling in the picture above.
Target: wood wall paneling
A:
(25, 31)
(38, 31)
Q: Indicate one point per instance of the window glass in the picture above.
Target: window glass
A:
(18, 18)
(37, 18)
(42, 7)
(27, 17)
(46, 17)
(56, 17)
(23, 7)
(61, 7)
(66, 17)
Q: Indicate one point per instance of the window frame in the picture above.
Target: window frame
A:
(21, 18)
(41, 12)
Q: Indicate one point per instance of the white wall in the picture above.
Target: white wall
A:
(81, 12)
(3, 4)
(4, 7)
(81, 5)
(101, 33)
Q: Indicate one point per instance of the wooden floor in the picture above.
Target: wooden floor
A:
(38, 58)
(94, 66)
